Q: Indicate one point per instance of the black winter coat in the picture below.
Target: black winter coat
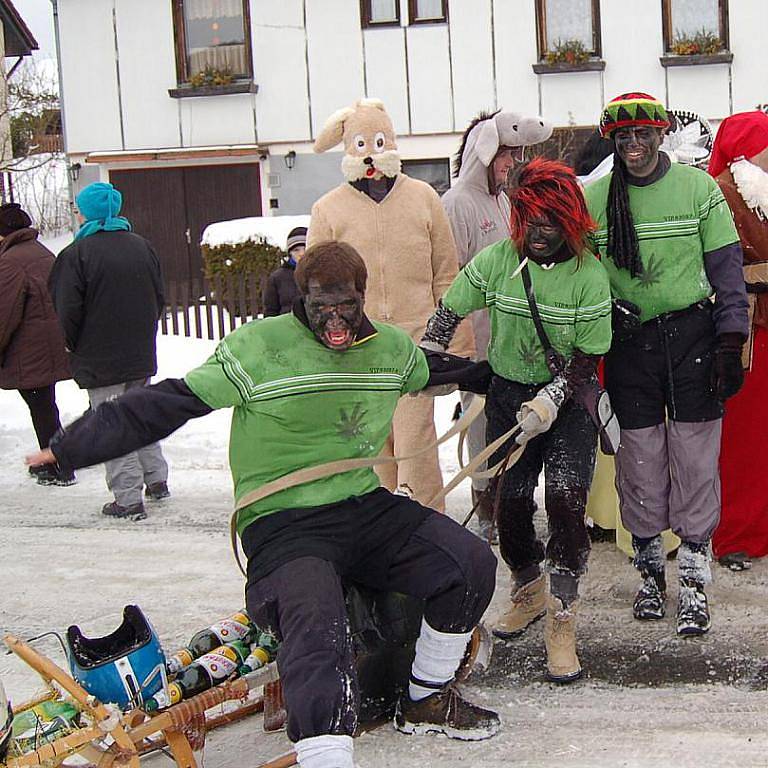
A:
(31, 344)
(108, 293)
(280, 291)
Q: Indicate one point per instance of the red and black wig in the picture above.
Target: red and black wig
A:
(544, 188)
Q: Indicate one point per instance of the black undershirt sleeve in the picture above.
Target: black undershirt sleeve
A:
(140, 417)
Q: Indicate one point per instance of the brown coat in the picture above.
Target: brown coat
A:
(31, 342)
(407, 245)
(753, 235)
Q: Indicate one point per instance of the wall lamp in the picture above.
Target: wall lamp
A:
(290, 160)
(74, 171)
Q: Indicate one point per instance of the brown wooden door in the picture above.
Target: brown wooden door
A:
(172, 206)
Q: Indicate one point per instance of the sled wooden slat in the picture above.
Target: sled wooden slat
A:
(284, 761)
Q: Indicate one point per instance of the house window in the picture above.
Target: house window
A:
(427, 11)
(695, 26)
(212, 41)
(380, 13)
(437, 173)
(568, 30)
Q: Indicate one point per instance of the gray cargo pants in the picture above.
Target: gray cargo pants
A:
(127, 475)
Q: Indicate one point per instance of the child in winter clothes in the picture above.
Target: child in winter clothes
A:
(281, 290)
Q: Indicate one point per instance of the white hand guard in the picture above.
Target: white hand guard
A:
(536, 417)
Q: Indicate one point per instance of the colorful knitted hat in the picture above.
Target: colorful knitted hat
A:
(633, 109)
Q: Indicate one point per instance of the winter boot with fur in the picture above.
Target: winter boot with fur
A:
(529, 604)
(560, 640)
(692, 608)
(649, 604)
(448, 712)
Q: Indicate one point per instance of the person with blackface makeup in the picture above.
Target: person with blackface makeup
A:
(549, 225)
(321, 384)
(668, 242)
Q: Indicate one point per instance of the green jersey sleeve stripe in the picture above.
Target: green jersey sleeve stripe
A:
(233, 370)
(475, 278)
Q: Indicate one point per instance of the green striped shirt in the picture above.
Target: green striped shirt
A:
(678, 219)
(574, 303)
(298, 404)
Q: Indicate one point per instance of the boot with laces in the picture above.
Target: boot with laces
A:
(692, 609)
(650, 599)
(560, 640)
(448, 712)
(529, 604)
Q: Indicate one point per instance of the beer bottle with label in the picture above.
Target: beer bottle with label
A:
(209, 670)
(235, 627)
(262, 652)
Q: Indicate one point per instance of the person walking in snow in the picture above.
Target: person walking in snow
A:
(739, 164)
(281, 289)
(329, 395)
(542, 269)
(108, 293)
(478, 209)
(32, 354)
(668, 242)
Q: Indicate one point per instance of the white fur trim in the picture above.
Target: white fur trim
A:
(354, 168)
(752, 183)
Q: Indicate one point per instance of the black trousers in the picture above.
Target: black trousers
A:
(567, 454)
(302, 602)
(41, 402)
(665, 370)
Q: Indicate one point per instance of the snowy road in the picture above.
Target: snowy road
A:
(63, 562)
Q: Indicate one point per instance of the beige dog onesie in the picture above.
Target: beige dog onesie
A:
(399, 227)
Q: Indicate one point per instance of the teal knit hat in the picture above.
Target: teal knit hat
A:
(633, 109)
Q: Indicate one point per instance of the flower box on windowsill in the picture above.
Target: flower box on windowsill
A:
(590, 65)
(188, 91)
(695, 59)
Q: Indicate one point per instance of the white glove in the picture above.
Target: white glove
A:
(535, 417)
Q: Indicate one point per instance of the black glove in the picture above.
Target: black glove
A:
(727, 369)
(445, 368)
(625, 319)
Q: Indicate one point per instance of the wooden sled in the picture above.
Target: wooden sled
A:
(110, 738)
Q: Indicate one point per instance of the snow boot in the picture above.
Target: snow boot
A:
(157, 491)
(448, 712)
(529, 604)
(650, 599)
(692, 609)
(133, 511)
(560, 640)
(52, 474)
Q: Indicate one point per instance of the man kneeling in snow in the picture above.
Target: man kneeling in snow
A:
(318, 385)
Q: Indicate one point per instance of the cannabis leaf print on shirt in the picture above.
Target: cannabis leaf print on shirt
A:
(652, 271)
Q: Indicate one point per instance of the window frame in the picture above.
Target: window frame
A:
(541, 30)
(180, 44)
(412, 20)
(667, 31)
(365, 16)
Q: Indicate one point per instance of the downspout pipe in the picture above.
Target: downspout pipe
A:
(70, 183)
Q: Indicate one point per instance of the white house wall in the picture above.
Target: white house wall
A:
(385, 73)
(312, 57)
(335, 44)
(472, 59)
(280, 70)
(89, 75)
(147, 71)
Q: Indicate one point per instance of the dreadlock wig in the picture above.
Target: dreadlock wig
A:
(547, 188)
(626, 110)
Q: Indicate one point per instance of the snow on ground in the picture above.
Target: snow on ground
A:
(648, 698)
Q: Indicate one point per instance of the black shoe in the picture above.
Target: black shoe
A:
(692, 609)
(446, 712)
(133, 511)
(598, 534)
(157, 491)
(52, 474)
(650, 599)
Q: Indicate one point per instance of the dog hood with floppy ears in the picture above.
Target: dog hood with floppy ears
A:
(489, 132)
(369, 140)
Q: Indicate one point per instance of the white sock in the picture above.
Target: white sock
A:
(438, 655)
(326, 751)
